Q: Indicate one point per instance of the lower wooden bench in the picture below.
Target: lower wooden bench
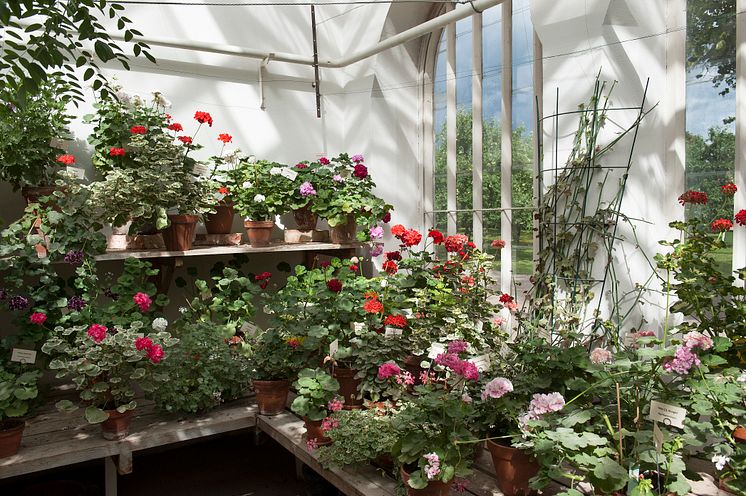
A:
(57, 439)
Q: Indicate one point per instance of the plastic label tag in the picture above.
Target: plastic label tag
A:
(392, 332)
(333, 347)
(23, 356)
(482, 362)
(435, 350)
(288, 173)
(667, 414)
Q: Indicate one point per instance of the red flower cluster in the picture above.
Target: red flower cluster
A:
(505, 298)
(176, 127)
(729, 189)
(360, 172)
(223, 190)
(372, 305)
(66, 159)
(263, 279)
(324, 161)
(390, 267)
(456, 242)
(386, 218)
(116, 152)
(203, 117)
(693, 197)
(334, 285)
(393, 255)
(225, 138)
(721, 225)
(38, 318)
(138, 130)
(354, 268)
(155, 353)
(301, 165)
(498, 243)
(436, 235)
(168, 117)
(411, 237)
(397, 230)
(185, 139)
(97, 332)
(143, 344)
(398, 321)
(741, 218)
(143, 301)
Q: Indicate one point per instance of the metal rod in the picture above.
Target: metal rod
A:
(315, 63)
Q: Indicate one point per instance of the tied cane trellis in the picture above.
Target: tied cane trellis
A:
(578, 218)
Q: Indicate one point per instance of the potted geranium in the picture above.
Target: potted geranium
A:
(30, 154)
(349, 202)
(258, 197)
(17, 390)
(106, 364)
(276, 360)
(306, 193)
(317, 391)
(221, 222)
(358, 437)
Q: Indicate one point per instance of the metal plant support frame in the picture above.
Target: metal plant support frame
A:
(574, 220)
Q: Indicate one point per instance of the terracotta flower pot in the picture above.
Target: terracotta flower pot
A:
(272, 396)
(32, 193)
(344, 233)
(740, 434)
(11, 432)
(179, 235)
(117, 426)
(221, 222)
(348, 387)
(259, 231)
(305, 219)
(513, 468)
(314, 431)
(433, 488)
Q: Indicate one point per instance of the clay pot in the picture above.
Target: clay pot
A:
(32, 193)
(11, 432)
(117, 426)
(179, 235)
(513, 468)
(433, 488)
(259, 231)
(344, 233)
(305, 219)
(314, 431)
(740, 434)
(348, 387)
(272, 396)
(221, 222)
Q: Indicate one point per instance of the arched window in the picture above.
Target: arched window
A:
(483, 123)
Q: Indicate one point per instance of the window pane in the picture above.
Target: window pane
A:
(463, 126)
(711, 108)
(439, 128)
(491, 98)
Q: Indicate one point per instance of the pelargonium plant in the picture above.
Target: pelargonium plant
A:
(107, 364)
(18, 390)
(317, 393)
(258, 189)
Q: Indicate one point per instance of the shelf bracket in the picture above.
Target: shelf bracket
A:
(315, 63)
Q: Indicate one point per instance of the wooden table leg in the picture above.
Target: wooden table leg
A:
(110, 476)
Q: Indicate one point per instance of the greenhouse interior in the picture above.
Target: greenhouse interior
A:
(372, 247)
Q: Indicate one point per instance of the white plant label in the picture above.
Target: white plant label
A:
(333, 347)
(667, 414)
(249, 328)
(201, 170)
(658, 438)
(435, 350)
(482, 362)
(77, 172)
(392, 332)
(288, 173)
(23, 356)
(479, 326)
(408, 313)
(357, 326)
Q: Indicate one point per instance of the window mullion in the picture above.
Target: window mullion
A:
(476, 128)
(739, 200)
(506, 148)
(451, 125)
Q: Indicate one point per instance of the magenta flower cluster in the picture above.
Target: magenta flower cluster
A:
(461, 367)
(306, 189)
(686, 357)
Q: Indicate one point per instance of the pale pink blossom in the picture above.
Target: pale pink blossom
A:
(695, 339)
(497, 388)
(432, 469)
(683, 361)
(600, 355)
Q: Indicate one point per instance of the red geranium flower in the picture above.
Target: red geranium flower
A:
(729, 189)
(398, 230)
(399, 321)
(334, 285)
(38, 318)
(360, 172)
(225, 138)
(386, 218)
(390, 267)
(138, 130)
(143, 344)
(393, 255)
(693, 197)
(143, 301)
(324, 161)
(411, 237)
(176, 127)
(223, 190)
(66, 159)
(436, 235)
(155, 353)
(505, 298)
(97, 332)
(168, 117)
(301, 165)
(354, 268)
(203, 117)
(263, 279)
(721, 225)
(185, 139)
(498, 243)
(116, 152)
(455, 242)
(373, 306)
(741, 218)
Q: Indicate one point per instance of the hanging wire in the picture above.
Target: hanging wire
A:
(282, 3)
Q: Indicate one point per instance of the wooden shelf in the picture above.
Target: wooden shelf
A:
(228, 250)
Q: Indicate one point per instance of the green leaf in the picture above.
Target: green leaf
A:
(95, 415)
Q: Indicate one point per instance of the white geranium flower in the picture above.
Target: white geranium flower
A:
(275, 171)
(247, 185)
(160, 324)
(720, 461)
(251, 159)
(384, 283)
(124, 97)
(161, 100)
(182, 309)
(137, 100)
(355, 260)
(742, 377)
(259, 198)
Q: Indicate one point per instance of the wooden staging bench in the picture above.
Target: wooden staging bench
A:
(57, 439)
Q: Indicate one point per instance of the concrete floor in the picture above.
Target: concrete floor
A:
(228, 465)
